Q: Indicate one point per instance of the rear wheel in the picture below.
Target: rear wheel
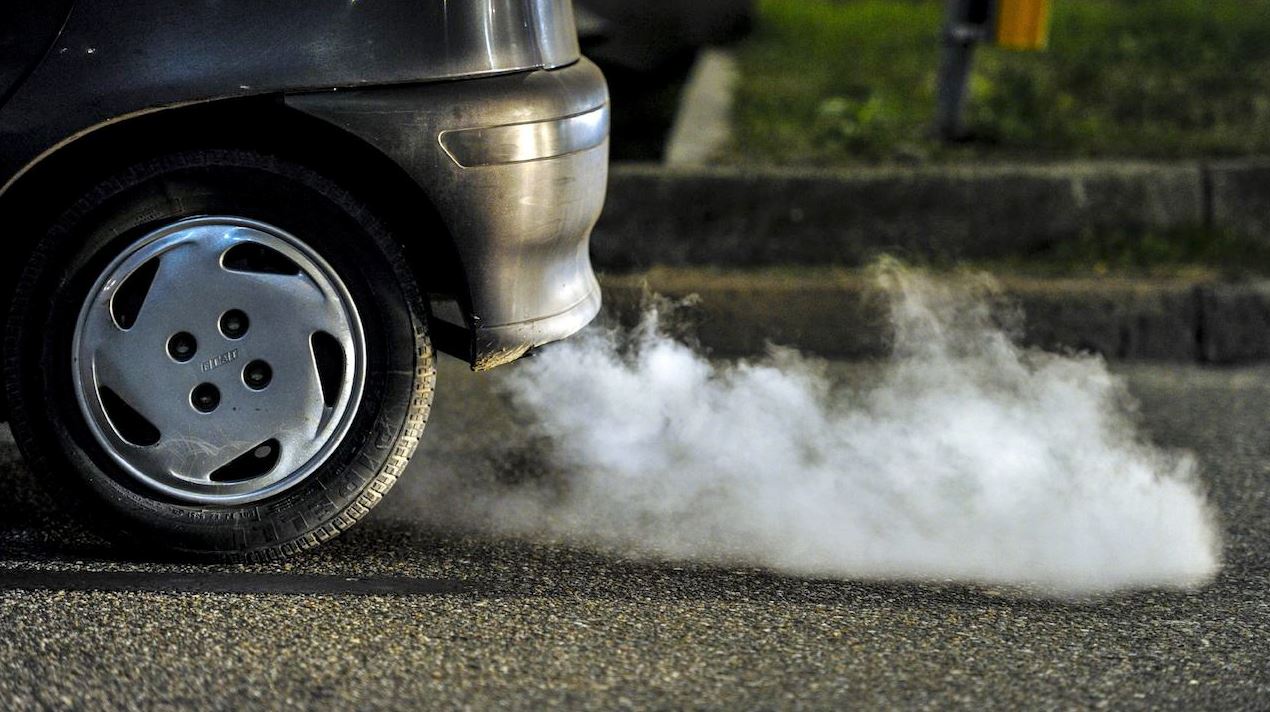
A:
(219, 353)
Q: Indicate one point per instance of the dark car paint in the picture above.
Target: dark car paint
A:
(113, 59)
(26, 31)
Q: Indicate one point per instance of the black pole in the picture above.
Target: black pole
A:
(966, 23)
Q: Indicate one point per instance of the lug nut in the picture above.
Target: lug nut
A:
(233, 324)
(181, 346)
(205, 397)
(257, 375)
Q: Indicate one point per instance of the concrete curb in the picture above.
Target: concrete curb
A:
(703, 124)
(745, 217)
(842, 315)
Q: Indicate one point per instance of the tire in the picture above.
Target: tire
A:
(286, 455)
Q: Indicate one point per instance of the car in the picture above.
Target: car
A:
(236, 234)
(644, 37)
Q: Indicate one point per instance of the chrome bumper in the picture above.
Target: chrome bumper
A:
(517, 167)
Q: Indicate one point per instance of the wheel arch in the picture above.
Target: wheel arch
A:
(55, 180)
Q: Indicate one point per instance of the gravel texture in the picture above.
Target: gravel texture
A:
(538, 623)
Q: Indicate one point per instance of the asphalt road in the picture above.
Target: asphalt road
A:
(398, 613)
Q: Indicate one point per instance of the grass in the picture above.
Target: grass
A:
(833, 82)
(1188, 253)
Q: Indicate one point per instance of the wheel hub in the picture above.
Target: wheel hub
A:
(219, 360)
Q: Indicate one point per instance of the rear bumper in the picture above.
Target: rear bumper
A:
(517, 168)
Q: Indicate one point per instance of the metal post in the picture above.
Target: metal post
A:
(966, 23)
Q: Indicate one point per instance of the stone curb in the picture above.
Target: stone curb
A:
(843, 316)
(703, 124)
(730, 217)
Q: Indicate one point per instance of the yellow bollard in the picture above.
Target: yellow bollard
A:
(1023, 24)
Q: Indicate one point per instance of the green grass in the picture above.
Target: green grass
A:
(1193, 252)
(831, 82)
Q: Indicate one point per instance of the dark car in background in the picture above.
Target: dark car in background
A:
(235, 232)
(646, 36)
(646, 50)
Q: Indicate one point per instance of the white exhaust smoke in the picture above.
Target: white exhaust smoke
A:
(964, 457)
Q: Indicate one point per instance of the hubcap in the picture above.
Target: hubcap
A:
(219, 360)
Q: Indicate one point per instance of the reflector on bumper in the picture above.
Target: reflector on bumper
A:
(517, 143)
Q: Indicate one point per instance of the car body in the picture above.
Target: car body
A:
(489, 116)
(235, 232)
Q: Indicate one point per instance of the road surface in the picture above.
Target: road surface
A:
(399, 613)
